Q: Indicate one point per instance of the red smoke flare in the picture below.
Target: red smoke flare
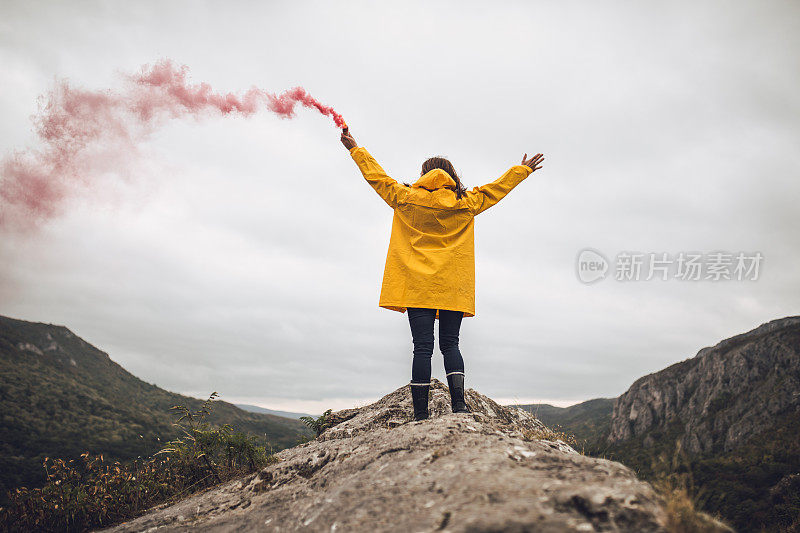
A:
(86, 134)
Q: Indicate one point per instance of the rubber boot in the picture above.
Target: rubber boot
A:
(456, 384)
(419, 397)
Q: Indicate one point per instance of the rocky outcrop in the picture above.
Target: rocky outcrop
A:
(374, 469)
(717, 400)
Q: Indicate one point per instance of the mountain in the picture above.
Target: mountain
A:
(60, 396)
(589, 421)
(727, 421)
(285, 414)
(730, 419)
(722, 397)
(375, 469)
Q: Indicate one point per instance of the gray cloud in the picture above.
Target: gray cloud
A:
(247, 255)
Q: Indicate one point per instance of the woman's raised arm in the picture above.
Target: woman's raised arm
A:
(385, 186)
(483, 197)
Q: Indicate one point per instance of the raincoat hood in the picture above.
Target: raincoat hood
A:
(435, 179)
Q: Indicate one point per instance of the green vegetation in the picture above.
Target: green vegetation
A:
(745, 485)
(93, 492)
(62, 397)
(318, 424)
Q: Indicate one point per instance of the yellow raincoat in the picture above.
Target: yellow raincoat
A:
(431, 257)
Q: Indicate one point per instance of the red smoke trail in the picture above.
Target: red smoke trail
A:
(87, 134)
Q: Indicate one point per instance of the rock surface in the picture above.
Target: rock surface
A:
(721, 397)
(375, 469)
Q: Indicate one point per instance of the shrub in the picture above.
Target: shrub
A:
(91, 492)
(318, 424)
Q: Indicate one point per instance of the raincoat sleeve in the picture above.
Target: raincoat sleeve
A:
(483, 197)
(386, 187)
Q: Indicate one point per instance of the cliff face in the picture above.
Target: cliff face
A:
(722, 397)
(374, 469)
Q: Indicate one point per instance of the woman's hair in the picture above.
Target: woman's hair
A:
(447, 166)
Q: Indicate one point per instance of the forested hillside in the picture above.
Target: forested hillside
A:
(60, 396)
(588, 421)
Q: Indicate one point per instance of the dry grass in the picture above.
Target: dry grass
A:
(550, 434)
(682, 513)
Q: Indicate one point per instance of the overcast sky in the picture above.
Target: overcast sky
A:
(245, 255)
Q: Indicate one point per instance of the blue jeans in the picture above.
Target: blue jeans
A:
(421, 321)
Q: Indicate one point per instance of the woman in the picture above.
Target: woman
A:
(430, 265)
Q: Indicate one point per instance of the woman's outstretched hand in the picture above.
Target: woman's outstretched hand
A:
(347, 139)
(533, 161)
